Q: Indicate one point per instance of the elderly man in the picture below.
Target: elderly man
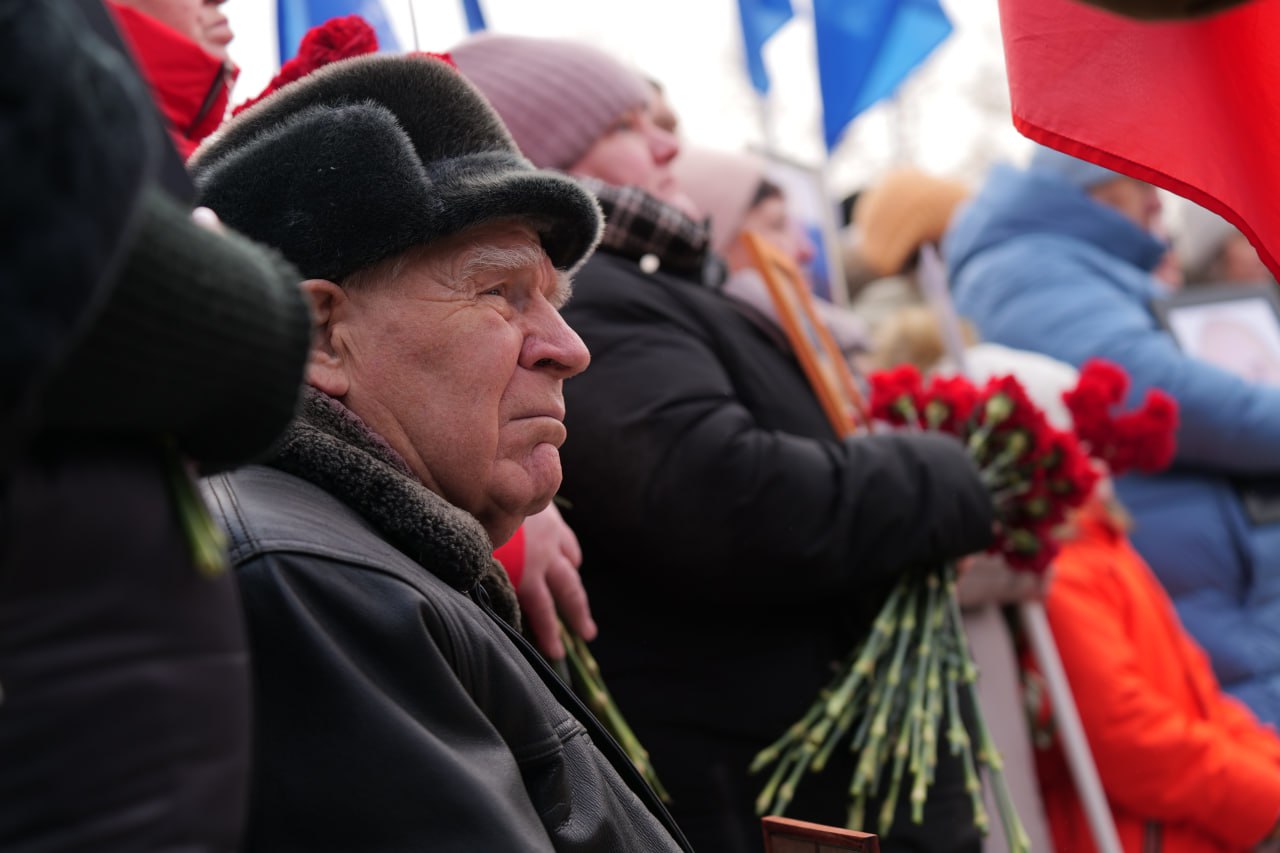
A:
(396, 709)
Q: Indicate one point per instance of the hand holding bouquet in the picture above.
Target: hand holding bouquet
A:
(913, 674)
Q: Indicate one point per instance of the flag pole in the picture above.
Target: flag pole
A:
(1074, 743)
(768, 136)
(413, 24)
(933, 283)
(837, 284)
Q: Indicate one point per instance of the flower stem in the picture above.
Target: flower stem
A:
(587, 673)
(207, 541)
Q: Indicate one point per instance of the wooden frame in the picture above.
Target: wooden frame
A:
(823, 363)
(810, 207)
(783, 835)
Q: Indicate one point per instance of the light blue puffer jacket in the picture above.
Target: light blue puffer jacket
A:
(1035, 263)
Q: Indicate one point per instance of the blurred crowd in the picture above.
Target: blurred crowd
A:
(330, 422)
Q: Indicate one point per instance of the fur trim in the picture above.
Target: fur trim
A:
(369, 156)
(328, 445)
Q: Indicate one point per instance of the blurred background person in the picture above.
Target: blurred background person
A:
(892, 218)
(1057, 258)
(734, 190)
(1213, 251)
(181, 46)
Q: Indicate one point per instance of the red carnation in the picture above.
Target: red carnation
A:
(1141, 439)
(897, 395)
(1150, 431)
(1009, 408)
(949, 402)
(335, 39)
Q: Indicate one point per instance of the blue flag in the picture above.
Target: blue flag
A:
(760, 20)
(295, 17)
(475, 15)
(866, 49)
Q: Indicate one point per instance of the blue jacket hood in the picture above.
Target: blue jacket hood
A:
(1014, 203)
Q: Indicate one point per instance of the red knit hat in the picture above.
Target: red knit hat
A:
(336, 38)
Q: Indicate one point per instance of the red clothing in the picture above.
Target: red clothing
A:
(189, 85)
(511, 555)
(1171, 748)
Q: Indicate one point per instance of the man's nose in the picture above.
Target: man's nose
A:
(551, 344)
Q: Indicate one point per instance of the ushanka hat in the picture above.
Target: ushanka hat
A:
(370, 156)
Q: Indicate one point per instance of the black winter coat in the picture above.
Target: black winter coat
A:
(734, 549)
(392, 713)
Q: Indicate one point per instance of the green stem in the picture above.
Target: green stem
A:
(871, 761)
(1014, 832)
(922, 726)
(792, 736)
(587, 671)
(890, 804)
(207, 541)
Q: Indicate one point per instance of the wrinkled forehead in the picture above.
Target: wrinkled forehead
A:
(494, 250)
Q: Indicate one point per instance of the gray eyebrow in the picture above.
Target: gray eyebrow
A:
(488, 259)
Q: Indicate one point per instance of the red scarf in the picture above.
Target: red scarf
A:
(190, 86)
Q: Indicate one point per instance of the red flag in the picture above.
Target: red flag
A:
(1191, 106)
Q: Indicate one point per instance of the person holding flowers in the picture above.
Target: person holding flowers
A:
(734, 547)
(1184, 766)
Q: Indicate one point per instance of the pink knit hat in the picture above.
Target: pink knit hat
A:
(556, 97)
(722, 184)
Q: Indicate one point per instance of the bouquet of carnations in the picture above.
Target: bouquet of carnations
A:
(913, 674)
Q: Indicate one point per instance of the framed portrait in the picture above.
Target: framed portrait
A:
(783, 835)
(1234, 327)
(814, 210)
(819, 355)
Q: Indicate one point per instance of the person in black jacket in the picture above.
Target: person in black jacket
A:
(397, 706)
(734, 548)
(132, 339)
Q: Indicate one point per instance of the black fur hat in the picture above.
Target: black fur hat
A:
(369, 156)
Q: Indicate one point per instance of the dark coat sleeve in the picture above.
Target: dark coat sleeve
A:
(76, 154)
(664, 449)
(386, 722)
(205, 337)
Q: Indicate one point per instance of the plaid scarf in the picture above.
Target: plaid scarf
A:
(637, 224)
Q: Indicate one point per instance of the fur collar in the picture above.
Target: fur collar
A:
(329, 446)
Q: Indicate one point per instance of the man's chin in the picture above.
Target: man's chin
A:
(530, 490)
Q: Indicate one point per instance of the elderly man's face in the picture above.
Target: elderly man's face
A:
(458, 360)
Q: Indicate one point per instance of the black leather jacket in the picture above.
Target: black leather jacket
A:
(393, 713)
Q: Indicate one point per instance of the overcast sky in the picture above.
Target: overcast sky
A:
(950, 118)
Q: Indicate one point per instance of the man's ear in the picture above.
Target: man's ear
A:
(326, 368)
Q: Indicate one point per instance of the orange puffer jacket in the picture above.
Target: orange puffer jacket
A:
(1185, 767)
